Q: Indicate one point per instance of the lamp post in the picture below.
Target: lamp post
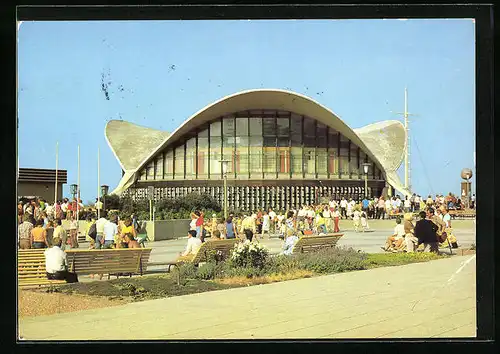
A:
(366, 167)
(73, 190)
(225, 164)
(104, 192)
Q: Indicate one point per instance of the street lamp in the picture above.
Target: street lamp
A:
(73, 190)
(366, 167)
(225, 164)
(104, 192)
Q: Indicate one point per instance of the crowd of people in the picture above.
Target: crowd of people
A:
(41, 225)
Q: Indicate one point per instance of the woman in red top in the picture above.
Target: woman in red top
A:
(199, 224)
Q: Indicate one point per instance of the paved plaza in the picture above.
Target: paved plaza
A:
(432, 299)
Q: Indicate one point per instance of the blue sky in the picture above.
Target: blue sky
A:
(361, 66)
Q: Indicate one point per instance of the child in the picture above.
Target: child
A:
(364, 221)
(320, 224)
(355, 217)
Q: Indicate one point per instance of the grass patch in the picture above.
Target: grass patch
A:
(375, 260)
(225, 275)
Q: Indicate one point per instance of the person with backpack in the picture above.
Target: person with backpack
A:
(92, 231)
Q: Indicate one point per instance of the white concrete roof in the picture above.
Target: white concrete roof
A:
(135, 146)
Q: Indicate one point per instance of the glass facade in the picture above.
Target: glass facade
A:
(261, 144)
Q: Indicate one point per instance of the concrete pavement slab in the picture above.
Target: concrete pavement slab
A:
(354, 304)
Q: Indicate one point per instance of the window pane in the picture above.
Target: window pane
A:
(283, 142)
(284, 160)
(228, 126)
(296, 157)
(169, 164)
(159, 166)
(309, 161)
(191, 158)
(296, 130)
(310, 141)
(354, 159)
(255, 126)
(321, 134)
(203, 133)
(241, 126)
(309, 127)
(256, 155)
(269, 126)
(241, 156)
(215, 128)
(179, 162)
(202, 157)
(215, 157)
(269, 142)
(321, 161)
(150, 171)
(283, 125)
(333, 162)
(269, 162)
(333, 138)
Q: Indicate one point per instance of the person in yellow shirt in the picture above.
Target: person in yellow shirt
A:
(248, 227)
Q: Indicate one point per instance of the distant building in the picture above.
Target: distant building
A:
(285, 150)
(37, 182)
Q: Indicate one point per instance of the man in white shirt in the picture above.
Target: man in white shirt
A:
(99, 224)
(328, 219)
(56, 264)
(110, 231)
(64, 207)
(193, 245)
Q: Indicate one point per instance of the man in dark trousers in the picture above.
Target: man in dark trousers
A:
(425, 231)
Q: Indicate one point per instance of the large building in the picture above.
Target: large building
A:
(284, 150)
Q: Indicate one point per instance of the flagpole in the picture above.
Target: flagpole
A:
(98, 188)
(55, 189)
(78, 189)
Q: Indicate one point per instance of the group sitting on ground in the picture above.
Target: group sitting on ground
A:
(432, 231)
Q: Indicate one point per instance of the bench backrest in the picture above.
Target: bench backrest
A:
(30, 265)
(223, 246)
(108, 261)
(312, 243)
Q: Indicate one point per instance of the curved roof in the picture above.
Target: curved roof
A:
(132, 143)
(373, 139)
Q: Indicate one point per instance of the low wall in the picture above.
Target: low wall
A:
(165, 229)
(156, 230)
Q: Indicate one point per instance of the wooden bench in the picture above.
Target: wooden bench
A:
(222, 247)
(466, 214)
(108, 261)
(307, 244)
(31, 269)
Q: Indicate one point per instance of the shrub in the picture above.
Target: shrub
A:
(249, 254)
(333, 260)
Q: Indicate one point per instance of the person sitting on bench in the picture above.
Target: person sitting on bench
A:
(56, 265)
(192, 247)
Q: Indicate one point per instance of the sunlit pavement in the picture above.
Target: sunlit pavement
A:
(432, 299)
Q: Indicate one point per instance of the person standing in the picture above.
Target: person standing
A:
(39, 236)
(417, 203)
(73, 232)
(328, 219)
(356, 219)
(407, 205)
(381, 208)
(343, 208)
(99, 240)
(110, 231)
(365, 203)
(248, 227)
(24, 234)
(272, 217)
(230, 228)
(425, 232)
(266, 225)
(336, 220)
